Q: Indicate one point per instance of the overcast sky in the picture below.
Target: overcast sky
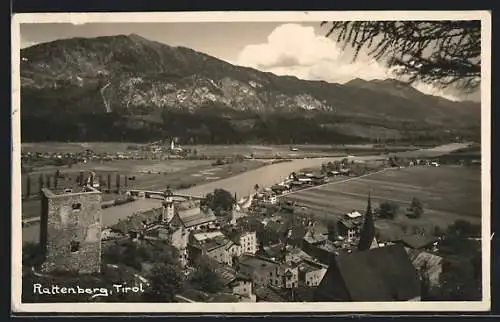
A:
(296, 48)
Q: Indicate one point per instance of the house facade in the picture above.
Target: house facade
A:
(311, 273)
(260, 269)
(248, 242)
(349, 226)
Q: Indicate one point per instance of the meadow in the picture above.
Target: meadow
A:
(447, 193)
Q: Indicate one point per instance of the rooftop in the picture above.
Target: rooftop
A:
(202, 236)
(229, 275)
(354, 214)
(257, 263)
(196, 216)
(378, 274)
(416, 241)
(432, 261)
(309, 266)
(215, 242)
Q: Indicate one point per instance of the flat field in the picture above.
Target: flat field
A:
(259, 151)
(447, 193)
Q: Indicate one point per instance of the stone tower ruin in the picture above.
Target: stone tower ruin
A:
(70, 230)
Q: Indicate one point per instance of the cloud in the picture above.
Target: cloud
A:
(293, 49)
(296, 50)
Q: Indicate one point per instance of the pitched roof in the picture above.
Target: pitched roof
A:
(215, 243)
(229, 275)
(433, 262)
(416, 241)
(378, 274)
(196, 216)
(275, 250)
(257, 263)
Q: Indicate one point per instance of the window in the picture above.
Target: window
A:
(74, 246)
(76, 206)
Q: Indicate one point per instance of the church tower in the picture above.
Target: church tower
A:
(168, 206)
(367, 234)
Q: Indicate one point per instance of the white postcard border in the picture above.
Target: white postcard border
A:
(256, 16)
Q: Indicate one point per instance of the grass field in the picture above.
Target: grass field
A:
(447, 193)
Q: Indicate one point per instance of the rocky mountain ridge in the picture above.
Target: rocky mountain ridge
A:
(137, 83)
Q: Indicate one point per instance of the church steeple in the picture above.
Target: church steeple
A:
(367, 233)
(369, 205)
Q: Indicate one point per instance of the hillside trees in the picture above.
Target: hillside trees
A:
(388, 210)
(416, 208)
(220, 201)
(205, 277)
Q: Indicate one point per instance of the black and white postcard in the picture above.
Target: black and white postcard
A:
(251, 162)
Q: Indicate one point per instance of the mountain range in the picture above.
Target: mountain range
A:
(128, 88)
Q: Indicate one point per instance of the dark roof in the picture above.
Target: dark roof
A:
(275, 250)
(418, 241)
(379, 274)
(349, 223)
(253, 263)
(229, 275)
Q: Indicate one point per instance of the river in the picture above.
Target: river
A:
(242, 184)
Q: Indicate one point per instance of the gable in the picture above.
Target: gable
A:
(332, 287)
(379, 274)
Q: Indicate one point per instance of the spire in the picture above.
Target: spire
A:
(369, 206)
(367, 233)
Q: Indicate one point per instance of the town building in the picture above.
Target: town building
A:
(319, 178)
(265, 271)
(427, 264)
(191, 215)
(211, 244)
(239, 283)
(311, 273)
(349, 226)
(280, 189)
(248, 242)
(70, 230)
(260, 269)
(187, 217)
(378, 274)
(179, 238)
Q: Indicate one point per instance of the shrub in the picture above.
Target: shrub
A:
(388, 209)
